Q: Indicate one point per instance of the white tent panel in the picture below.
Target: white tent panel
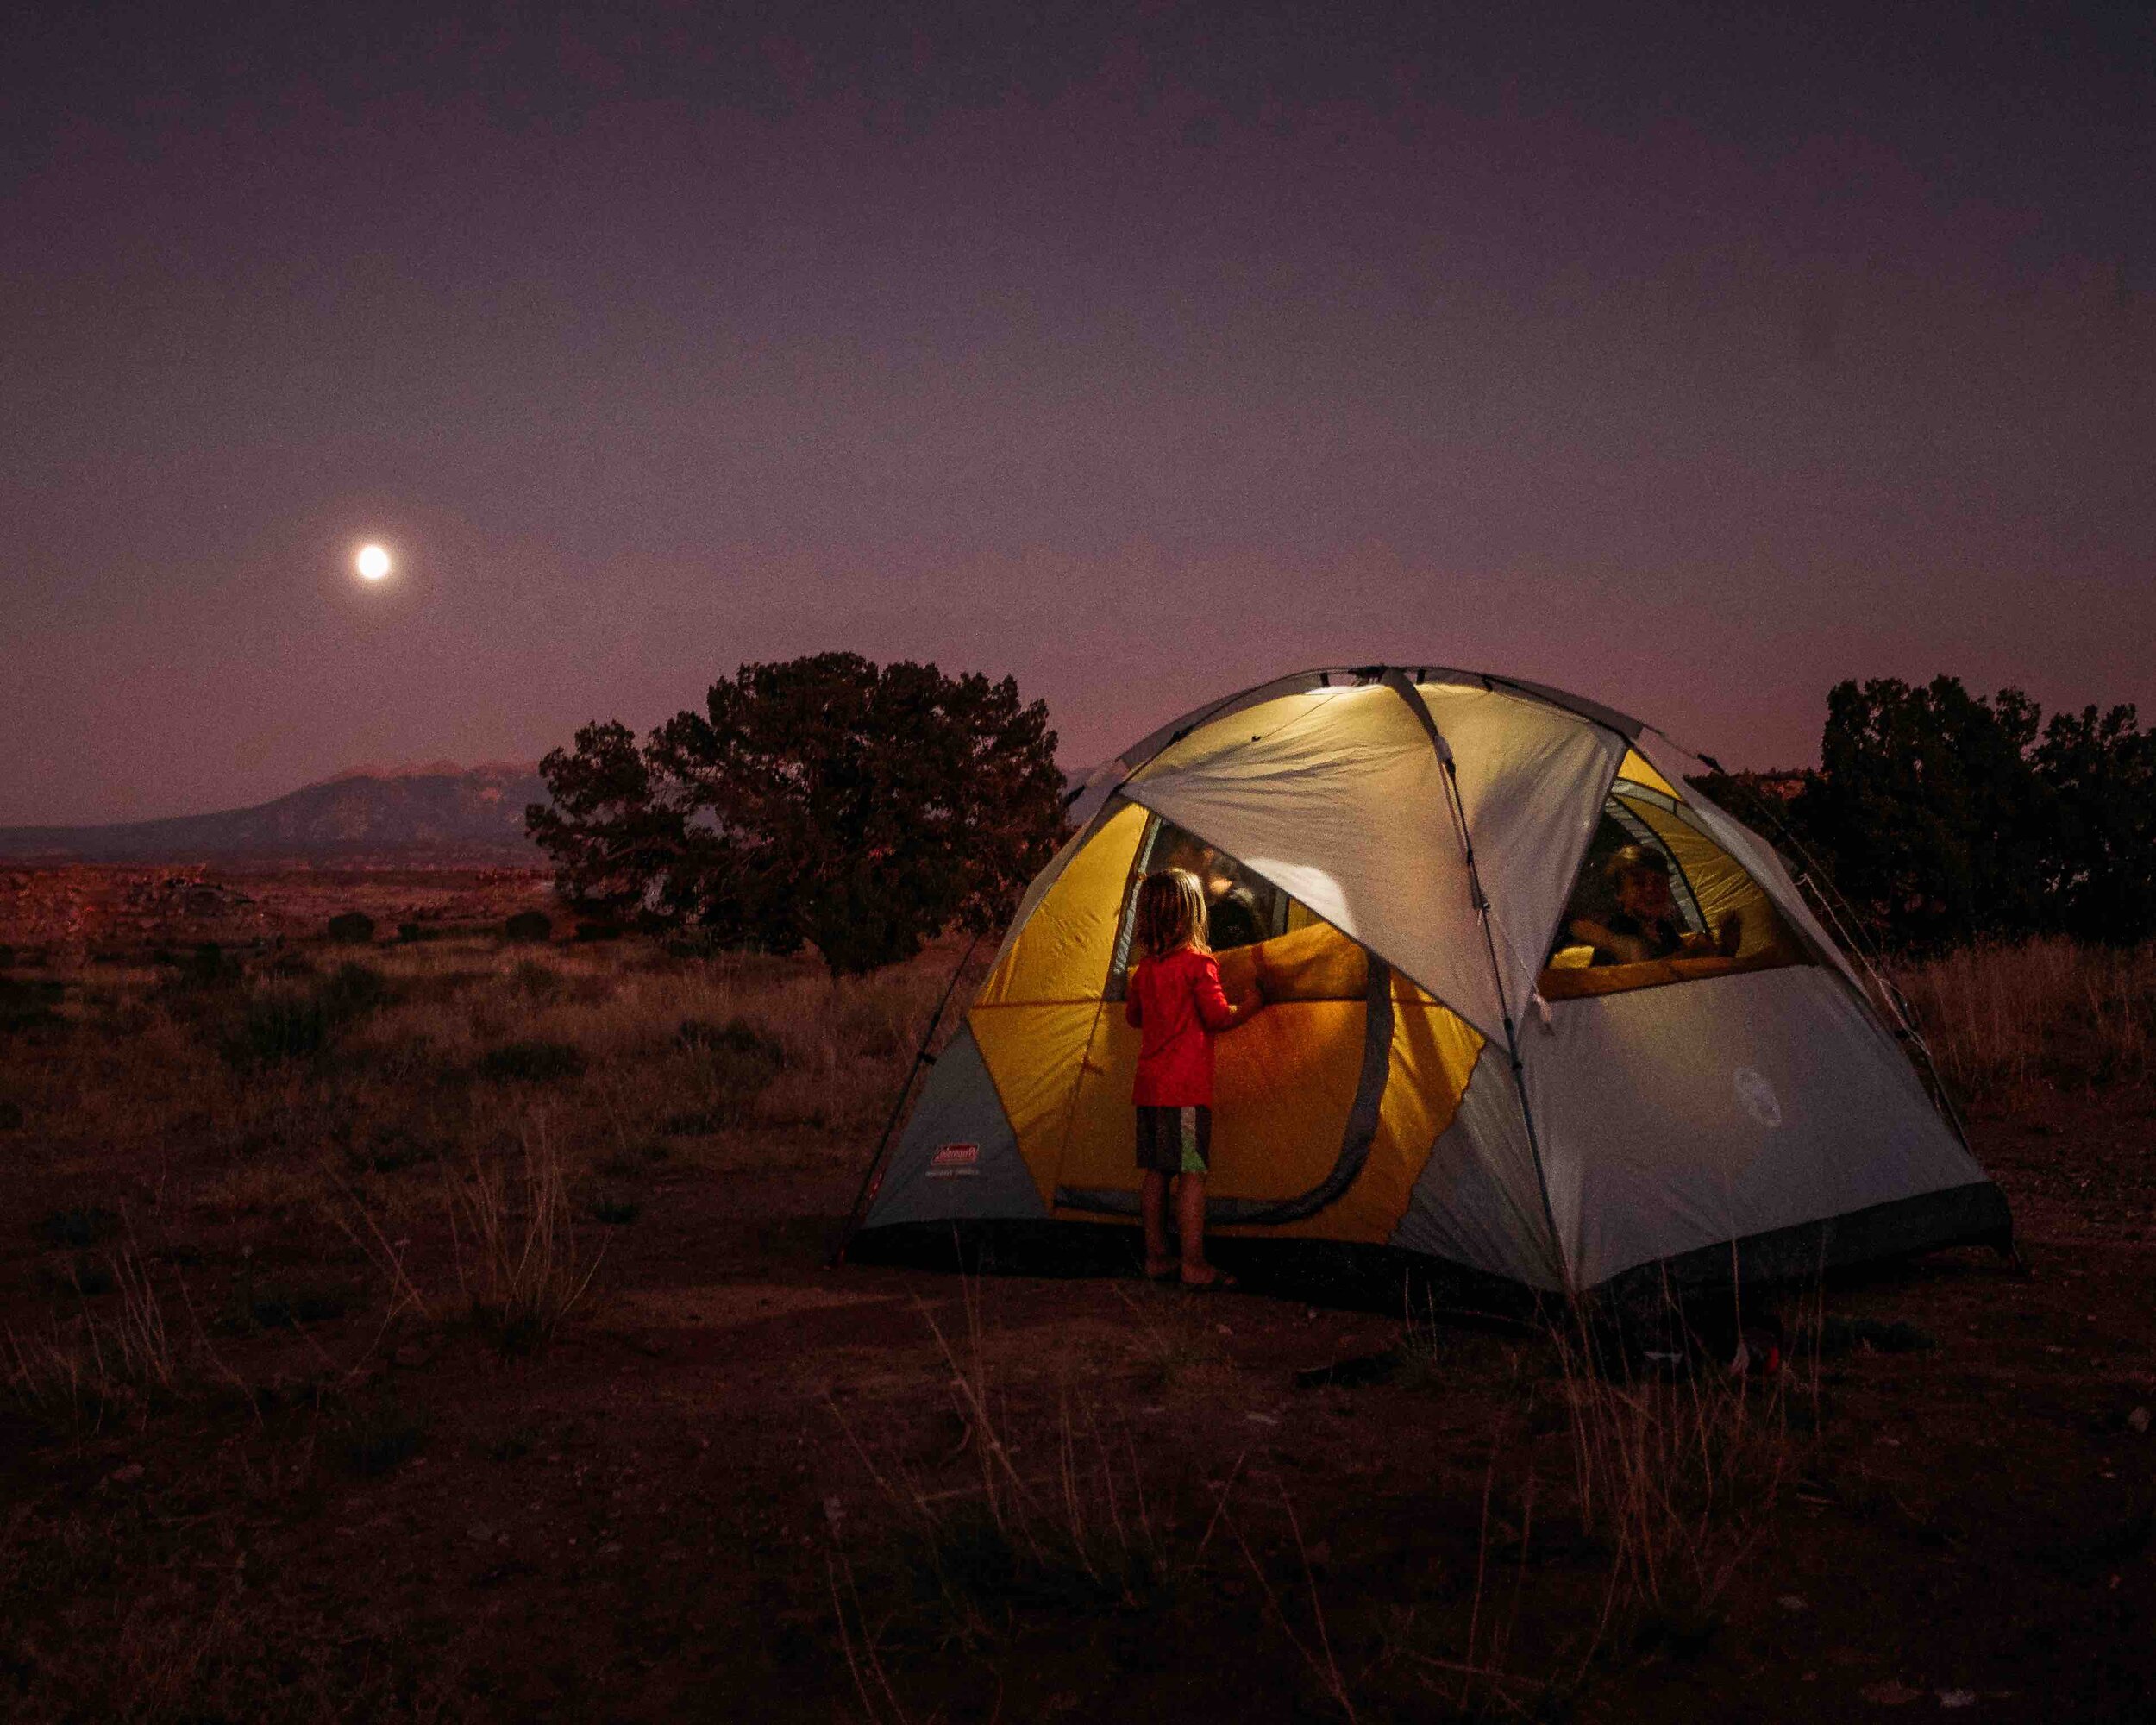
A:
(1685, 1116)
(1531, 782)
(1338, 797)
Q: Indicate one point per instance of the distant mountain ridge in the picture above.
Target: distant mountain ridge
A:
(435, 812)
(430, 769)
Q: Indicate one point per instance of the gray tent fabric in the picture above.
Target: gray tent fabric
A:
(1677, 1118)
(1531, 783)
(959, 1159)
(1477, 1201)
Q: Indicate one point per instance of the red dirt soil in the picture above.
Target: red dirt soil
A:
(671, 1512)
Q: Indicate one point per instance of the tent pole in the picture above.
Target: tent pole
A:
(872, 1178)
(1512, 1034)
(1407, 690)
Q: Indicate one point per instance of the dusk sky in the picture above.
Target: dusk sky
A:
(1688, 358)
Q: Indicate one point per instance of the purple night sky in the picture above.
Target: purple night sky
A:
(1692, 360)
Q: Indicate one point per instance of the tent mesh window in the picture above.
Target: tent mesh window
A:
(1242, 909)
(1707, 918)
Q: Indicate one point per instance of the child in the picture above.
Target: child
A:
(1173, 997)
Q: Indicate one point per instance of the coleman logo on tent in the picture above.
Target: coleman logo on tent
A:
(1756, 1096)
(955, 1159)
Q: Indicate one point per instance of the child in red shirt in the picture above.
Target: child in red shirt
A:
(1173, 997)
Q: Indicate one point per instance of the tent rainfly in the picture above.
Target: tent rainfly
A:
(1445, 1063)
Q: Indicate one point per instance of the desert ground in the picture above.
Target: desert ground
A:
(439, 1328)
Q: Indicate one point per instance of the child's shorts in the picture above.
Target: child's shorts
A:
(1175, 1140)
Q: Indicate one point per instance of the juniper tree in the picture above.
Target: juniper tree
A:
(820, 801)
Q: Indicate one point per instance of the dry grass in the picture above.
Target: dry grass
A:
(1623, 1545)
(393, 1121)
(99, 1364)
(1679, 1476)
(1076, 1530)
(263, 1089)
(519, 1262)
(439, 1115)
(2005, 1020)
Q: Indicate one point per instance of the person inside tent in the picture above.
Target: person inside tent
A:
(1645, 925)
(1233, 916)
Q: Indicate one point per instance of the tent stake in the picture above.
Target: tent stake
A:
(872, 1178)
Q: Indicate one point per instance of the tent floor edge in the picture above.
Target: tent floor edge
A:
(1974, 1215)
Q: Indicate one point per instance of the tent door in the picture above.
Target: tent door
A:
(1297, 1094)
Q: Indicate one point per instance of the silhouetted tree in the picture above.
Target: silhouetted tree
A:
(1930, 808)
(2099, 779)
(1943, 816)
(822, 799)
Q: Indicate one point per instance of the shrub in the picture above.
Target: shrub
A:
(533, 1061)
(411, 933)
(390, 1148)
(291, 1020)
(352, 928)
(529, 928)
(615, 1211)
(353, 991)
(587, 932)
(10, 1115)
(824, 801)
(7, 956)
(209, 966)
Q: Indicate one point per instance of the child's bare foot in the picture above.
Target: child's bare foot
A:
(1160, 1270)
(1205, 1279)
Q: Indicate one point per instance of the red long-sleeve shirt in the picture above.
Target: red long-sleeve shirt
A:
(1178, 1005)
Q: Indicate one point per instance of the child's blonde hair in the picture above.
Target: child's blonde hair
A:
(1171, 913)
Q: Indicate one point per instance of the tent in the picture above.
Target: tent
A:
(1441, 1066)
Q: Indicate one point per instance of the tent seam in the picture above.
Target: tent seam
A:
(1408, 693)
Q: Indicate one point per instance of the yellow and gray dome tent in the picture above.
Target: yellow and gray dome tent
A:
(1442, 1065)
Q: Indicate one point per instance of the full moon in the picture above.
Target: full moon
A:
(373, 562)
